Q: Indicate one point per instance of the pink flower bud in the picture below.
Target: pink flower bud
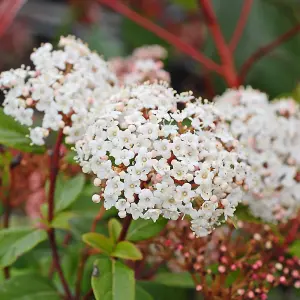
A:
(198, 288)
(221, 269)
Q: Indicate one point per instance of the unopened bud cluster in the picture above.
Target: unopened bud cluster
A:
(145, 64)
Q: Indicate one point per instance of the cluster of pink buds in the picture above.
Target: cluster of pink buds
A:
(244, 263)
(145, 64)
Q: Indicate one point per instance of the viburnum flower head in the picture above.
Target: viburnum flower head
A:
(269, 132)
(63, 87)
(162, 161)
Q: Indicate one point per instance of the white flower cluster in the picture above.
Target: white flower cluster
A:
(64, 86)
(151, 159)
(270, 133)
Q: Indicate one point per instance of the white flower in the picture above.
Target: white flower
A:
(37, 135)
(122, 156)
(149, 130)
(146, 199)
(161, 166)
(152, 214)
(184, 193)
(126, 138)
(205, 190)
(101, 168)
(100, 148)
(135, 211)
(144, 157)
(52, 120)
(178, 146)
(179, 170)
(204, 176)
(131, 186)
(163, 147)
(24, 116)
(122, 204)
(112, 133)
(139, 142)
(138, 172)
(114, 186)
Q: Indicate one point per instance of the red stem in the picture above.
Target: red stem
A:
(7, 213)
(162, 33)
(88, 295)
(228, 69)
(56, 260)
(8, 11)
(261, 52)
(291, 236)
(6, 217)
(125, 228)
(54, 167)
(208, 83)
(240, 26)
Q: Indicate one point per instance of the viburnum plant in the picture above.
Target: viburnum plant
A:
(115, 186)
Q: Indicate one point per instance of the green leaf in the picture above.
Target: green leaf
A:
(183, 280)
(296, 93)
(112, 280)
(101, 41)
(243, 213)
(187, 4)
(234, 221)
(294, 248)
(213, 268)
(291, 3)
(163, 292)
(17, 241)
(68, 192)
(140, 37)
(69, 157)
(25, 287)
(141, 294)
(114, 229)
(10, 235)
(62, 220)
(232, 277)
(141, 229)
(69, 263)
(99, 241)
(13, 134)
(127, 250)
